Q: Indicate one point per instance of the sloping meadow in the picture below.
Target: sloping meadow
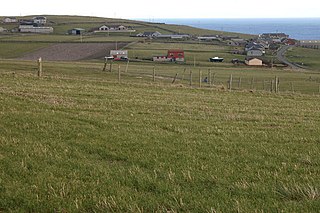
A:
(75, 142)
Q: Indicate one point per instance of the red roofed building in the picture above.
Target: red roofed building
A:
(176, 55)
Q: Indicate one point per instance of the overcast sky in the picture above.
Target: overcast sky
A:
(149, 9)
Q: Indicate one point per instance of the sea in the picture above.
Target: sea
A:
(297, 28)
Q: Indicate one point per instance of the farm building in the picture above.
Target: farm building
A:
(113, 28)
(40, 20)
(33, 29)
(162, 58)
(253, 62)
(176, 55)
(10, 20)
(149, 34)
(274, 35)
(174, 36)
(173, 56)
(76, 31)
(119, 54)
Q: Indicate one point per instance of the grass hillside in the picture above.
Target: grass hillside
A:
(77, 140)
(305, 56)
(62, 24)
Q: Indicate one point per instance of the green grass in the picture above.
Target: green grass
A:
(76, 140)
(308, 57)
(14, 50)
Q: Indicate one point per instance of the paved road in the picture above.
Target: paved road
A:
(282, 58)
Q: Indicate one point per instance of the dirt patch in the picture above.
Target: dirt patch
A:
(73, 52)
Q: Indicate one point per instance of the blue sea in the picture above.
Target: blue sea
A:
(297, 28)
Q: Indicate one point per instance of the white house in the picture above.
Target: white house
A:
(32, 29)
(40, 20)
(10, 20)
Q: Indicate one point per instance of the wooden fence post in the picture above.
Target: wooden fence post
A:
(230, 83)
(184, 70)
(127, 66)
(200, 77)
(252, 83)
(213, 78)
(210, 77)
(175, 78)
(40, 67)
(154, 74)
(271, 86)
(190, 78)
(275, 84)
(239, 83)
(119, 74)
(110, 66)
(105, 64)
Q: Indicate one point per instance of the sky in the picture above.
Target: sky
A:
(148, 9)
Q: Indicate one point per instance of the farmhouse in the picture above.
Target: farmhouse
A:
(173, 56)
(40, 20)
(208, 38)
(119, 54)
(113, 28)
(34, 29)
(253, 62)
(10, 20)
(76, 31)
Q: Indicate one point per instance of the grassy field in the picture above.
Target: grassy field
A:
(76, 140)
(308, 57)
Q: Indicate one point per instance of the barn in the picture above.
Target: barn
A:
(176, 55)
(76, 31)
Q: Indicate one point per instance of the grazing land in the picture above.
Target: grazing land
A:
(79, 139)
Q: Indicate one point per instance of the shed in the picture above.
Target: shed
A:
(76, 31)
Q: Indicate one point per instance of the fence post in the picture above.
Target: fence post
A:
(209, 76)
(200, 80)
(105, 64)
(39, 67)
(190, 77)
(230, 83)
(175, 78)
(127, 66)
(110, 66)
(119, 74)
(275, 84)
(252, 83)
(271, 86)
(239, 83)
(213, 78)
(154, 74)
(184, 70)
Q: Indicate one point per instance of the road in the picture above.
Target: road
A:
(282, 58)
